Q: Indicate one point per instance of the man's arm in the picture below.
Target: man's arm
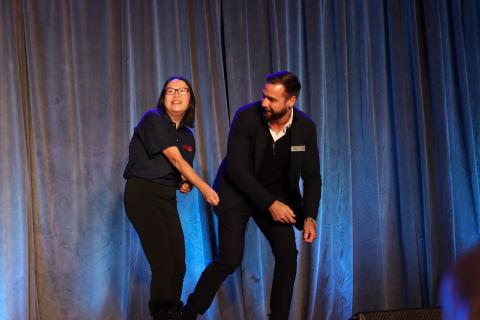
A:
(312, 185)
(312, 180)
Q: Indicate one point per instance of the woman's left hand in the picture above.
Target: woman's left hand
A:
(185, 187)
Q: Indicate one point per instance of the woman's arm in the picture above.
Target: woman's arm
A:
(174, 156)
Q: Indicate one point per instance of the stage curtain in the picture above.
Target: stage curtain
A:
(392, 85)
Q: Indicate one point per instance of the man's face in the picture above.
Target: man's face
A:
(274, 101)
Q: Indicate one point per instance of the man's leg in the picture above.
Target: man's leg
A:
(282, 241)
(231, 230)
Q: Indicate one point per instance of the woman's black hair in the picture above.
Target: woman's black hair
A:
(189, 117)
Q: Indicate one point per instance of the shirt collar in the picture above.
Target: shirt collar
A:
(170, 121)
(281, 133)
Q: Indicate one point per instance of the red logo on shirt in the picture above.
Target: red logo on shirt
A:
(187, 147)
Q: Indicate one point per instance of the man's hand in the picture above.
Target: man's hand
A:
(309, 231)
(281, 212)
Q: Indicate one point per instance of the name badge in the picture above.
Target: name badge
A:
(297, 149)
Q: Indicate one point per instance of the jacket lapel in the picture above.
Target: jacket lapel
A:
(296, 140)
(260, 143)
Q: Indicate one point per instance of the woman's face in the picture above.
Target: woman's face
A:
(177, 98)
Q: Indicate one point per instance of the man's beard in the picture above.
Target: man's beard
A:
(272, 115)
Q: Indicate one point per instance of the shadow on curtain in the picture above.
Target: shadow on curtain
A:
(392, 86)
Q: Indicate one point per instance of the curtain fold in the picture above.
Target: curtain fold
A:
(392, 86)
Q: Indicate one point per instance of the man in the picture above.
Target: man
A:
(271, 145)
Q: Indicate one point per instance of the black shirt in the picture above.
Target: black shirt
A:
(154, 133)
(273, 172)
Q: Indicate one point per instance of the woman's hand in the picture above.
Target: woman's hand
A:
(210, 195)
(173, 155)
(185, 187)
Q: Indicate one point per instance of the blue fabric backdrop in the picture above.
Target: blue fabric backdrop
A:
(392, 85)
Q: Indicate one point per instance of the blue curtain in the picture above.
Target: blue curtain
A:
(392, 86)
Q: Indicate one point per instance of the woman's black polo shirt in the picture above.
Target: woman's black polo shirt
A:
(154, 133)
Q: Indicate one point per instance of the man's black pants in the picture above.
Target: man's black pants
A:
(232, 226)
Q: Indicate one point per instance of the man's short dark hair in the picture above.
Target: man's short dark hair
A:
(288, 79)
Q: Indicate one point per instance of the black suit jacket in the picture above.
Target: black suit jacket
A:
(236, 181)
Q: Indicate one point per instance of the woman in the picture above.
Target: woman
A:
(160, 161)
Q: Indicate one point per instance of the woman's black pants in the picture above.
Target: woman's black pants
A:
(152, 210)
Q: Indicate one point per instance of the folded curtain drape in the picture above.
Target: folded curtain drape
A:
(392, 86)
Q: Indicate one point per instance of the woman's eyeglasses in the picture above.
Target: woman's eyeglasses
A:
(181, 91)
